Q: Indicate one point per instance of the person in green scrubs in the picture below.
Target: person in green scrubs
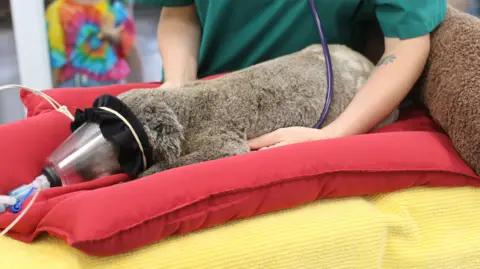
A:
(198, 38)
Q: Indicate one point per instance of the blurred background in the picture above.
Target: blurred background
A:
(17, 63)
(145, 18)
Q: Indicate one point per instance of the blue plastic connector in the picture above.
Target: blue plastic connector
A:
(18, 206)
(20, 191)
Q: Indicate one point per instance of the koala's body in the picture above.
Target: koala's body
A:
(212, 119)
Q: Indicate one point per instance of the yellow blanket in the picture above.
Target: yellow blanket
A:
(416, 228)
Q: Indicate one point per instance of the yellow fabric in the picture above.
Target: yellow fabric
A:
(416, 228)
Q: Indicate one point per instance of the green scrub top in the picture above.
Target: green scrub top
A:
(240, 33)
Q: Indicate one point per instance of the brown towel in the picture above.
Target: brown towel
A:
(450, 84)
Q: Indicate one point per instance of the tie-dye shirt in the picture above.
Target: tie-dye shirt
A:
(75, 47)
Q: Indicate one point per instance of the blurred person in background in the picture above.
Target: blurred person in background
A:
(475, 7)
(468, 6)
(462, 5)
(90, 42)
(134, 59)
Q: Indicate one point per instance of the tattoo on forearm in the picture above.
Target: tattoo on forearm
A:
(386, 60)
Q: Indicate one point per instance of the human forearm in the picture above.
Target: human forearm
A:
(114, 37)
(179, 40)
(395, 75)
(54, 74)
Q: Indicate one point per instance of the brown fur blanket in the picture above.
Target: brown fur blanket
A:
(450, 85)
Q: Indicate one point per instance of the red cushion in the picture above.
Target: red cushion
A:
(104, 218)
(73, 97)
(77, 97)
(123, 217)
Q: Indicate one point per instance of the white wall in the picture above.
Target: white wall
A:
(32, 57)
(29, 28)
(11, 108)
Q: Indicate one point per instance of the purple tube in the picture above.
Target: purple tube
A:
(328, 64)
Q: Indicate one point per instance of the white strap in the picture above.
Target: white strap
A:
(62, 109)
(144, 159)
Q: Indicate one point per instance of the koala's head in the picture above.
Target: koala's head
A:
(164, 131)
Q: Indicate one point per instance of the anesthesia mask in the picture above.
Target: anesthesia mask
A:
(106, 139)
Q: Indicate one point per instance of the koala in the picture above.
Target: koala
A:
(211, 119)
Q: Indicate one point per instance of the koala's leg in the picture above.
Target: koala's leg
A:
(205, 146)
(212, 145)
(207, 155)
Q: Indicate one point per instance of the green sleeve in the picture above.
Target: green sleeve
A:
(165, 3)
(406, 19)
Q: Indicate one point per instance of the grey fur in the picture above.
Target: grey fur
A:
(207, 120)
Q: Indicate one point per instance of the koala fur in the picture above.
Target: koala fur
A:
(212, 119)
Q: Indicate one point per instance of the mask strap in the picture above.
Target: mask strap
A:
(64, 110)
(144, 159)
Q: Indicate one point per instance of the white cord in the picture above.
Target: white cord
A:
(144, 159)
(57, 107)
(17, 219)
(64, 110)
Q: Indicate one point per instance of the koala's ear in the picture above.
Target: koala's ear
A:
(164, 131)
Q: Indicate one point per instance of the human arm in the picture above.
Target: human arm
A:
(395, 74)
(406, 26)
(407, 45)
(55, 75)
(110, 32)
(118, 27)
(133, 56)
(178, 38)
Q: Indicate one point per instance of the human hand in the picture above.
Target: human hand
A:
(286, 136)
(171, 85)
(108, 30)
